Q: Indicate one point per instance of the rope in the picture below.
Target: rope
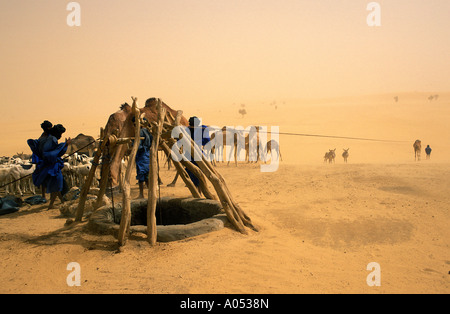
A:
(343, 137)
(326, 136)
(159, 191)
(83, 147)
(280, 133)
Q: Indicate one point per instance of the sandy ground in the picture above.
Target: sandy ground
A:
(320, 224)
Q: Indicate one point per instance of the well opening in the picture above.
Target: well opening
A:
(177, 218)
(170, 211)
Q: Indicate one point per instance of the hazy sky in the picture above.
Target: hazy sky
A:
(211, 52)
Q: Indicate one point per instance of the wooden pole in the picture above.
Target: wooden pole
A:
(106, 167)
(245, 218)
(181, 172)
(178, 117)
(201, 178)
(126, 140)
(126, 203)
(87, 184)
(153, 175)
(234, 213)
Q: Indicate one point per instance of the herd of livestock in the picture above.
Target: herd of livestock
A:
(16, 172)
(330, 156)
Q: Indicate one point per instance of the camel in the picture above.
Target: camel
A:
(254, 141)
(272, 144)
(417, 149)
(220, 141)
(236, 140)
(120, 123)
(82, 142)
(345, 154)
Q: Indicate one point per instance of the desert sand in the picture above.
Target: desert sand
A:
(320, 224)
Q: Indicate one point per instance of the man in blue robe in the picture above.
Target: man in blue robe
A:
(143, 160)
(201, 137)
(46, 126)
(428, 151)
(48, 161)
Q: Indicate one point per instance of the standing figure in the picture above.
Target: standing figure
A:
(46, 126)
(48, 168)
(428, 151)
(201, 137)
(143, 160)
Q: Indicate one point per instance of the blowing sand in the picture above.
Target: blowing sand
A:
(320, 224)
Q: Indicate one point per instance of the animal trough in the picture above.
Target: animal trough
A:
(176, 218)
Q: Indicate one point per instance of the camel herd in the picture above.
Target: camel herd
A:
(120, 124)
(234, 141)
(223, 140)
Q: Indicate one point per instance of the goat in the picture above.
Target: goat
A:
(23, 172)
(5, 177)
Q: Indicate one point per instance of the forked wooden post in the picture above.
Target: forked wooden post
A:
(181, 172)
(235, 214)
(201, 179)
(178, 117)
(153, 175)
(87, 184)
(106, 167)
(126, 203)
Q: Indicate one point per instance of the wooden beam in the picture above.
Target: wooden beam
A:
(88, 182)
(106, 167)
(126, 140)
(153, 175)
(201, 178)
(181, 172)
(126, 203)
(235, 214)
(178, 117)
